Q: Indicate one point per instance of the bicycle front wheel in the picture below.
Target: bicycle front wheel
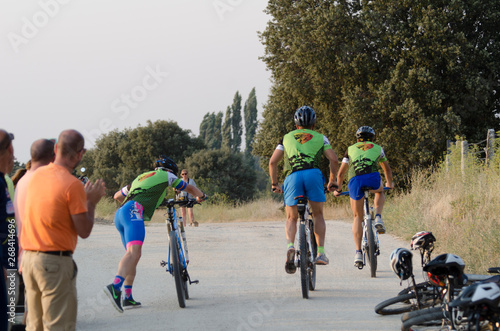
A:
(372, 245)
(304, 275)
(177, 269)
(397, 305)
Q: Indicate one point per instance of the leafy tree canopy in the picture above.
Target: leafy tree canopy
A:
(419, 72)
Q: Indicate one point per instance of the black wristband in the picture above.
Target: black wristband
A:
(274, 184)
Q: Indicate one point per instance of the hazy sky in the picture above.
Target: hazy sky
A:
(94, 66)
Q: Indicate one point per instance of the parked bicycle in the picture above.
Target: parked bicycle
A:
(370, 244)
(305, 256)
(177, 252)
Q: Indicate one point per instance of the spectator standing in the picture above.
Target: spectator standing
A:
(42, 153)
(58, 209)
(183, 195)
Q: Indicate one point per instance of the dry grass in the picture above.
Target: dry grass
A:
(460, 207)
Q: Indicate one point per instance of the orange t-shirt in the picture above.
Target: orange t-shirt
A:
(53, 195)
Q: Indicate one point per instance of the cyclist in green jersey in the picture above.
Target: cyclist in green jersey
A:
(145, 194)
(302, 150)
(362, 160)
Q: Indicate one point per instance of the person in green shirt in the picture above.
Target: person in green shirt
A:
(302, 150)
(362, 160)
(140, 201)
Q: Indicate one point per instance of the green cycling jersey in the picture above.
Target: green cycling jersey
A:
(303, 149)
(150, 188)
(363, 158)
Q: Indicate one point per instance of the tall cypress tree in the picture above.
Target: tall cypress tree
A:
(226, 130)
(236, 124)
(250, 113)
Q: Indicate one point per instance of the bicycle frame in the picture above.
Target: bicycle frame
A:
(367, 222)
(174, 226)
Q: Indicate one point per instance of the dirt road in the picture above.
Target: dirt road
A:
(243, 285)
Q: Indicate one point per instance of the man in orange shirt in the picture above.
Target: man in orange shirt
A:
(58, 209)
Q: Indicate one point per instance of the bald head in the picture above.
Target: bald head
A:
(42, 150)
(69, 144)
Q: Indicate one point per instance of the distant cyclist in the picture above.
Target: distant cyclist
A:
(362, 160)
(302, 150)
(140, 201)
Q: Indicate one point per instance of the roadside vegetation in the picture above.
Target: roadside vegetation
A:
(460, 207)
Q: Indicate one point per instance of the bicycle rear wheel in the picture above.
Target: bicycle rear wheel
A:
(372, 245)
(304, 275)
(312, 269)
(176, 267)
(433, 320)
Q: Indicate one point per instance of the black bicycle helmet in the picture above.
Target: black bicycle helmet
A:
(446, 264)
(305, 116)
(423, 240)
(365, 133)
(166, 163)
(401, 263)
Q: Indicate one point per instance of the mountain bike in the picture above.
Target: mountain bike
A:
(305, 256)
(370, 244)
(177, 251)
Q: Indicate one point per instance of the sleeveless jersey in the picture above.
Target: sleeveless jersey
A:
(363, 158)
(150, 188)
(303, 149)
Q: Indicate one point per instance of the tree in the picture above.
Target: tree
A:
(222, 173)
(237, 128)
(120, 156)
(210, 130)
(250, 113)
(227, 140)
(419, 72)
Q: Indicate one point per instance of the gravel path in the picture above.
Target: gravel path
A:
(243, 285)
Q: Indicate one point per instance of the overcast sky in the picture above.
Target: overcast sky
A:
(95, 66)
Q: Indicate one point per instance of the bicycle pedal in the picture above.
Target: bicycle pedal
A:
(163, 263)
(194, 282)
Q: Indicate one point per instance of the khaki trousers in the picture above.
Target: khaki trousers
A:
(50, 282)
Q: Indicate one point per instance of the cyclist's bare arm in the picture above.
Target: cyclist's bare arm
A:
(193, 190)
(340, 176)
(388, 174)
(119, 196)
(273, 169)
(334, 166)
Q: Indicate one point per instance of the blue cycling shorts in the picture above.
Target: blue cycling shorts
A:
(372, 180)
(309, 183)
(130, 223)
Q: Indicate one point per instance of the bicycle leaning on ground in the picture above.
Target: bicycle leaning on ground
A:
(305, 256)
(370, 245)
(177, 252)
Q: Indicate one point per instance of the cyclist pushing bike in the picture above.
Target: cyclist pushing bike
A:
(302, 150)
(146, 193)
(362, 160)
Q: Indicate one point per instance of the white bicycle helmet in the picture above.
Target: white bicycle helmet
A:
(478, 294)
(401, 263)
(422, 240)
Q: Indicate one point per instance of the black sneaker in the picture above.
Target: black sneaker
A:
(115, 297)
(290, 267)
(130, 303)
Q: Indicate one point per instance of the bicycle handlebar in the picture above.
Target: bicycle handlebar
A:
(180, 203)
